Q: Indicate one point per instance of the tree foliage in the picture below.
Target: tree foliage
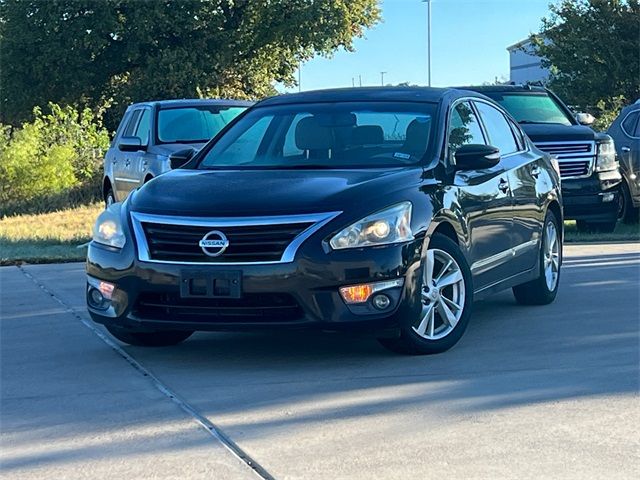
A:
(592, 48)
(84, 52)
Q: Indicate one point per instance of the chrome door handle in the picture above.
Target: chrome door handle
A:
(535, 171)
(625, 149)
(145, 164)
(503, 186)
(127, 162)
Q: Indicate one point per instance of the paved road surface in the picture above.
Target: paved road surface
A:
(529, 392)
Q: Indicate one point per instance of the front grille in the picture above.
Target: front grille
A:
(253, 243)
(575, 158)
(252, 308)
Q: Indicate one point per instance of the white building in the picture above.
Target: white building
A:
(525, 65)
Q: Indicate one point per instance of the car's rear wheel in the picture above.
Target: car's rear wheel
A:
(446, 295)
(162, 338)
(628, 213)
(109, 198)
(543, 290)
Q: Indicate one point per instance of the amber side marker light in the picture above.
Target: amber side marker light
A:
(362, 292)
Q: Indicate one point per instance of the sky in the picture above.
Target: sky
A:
(468, 44)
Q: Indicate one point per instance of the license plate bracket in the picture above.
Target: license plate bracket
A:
(221, 284)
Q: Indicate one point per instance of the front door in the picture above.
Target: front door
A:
(485, 198)
(123, 180)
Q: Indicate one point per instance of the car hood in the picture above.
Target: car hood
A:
(554, 132)
(273, 192)
(167, 149)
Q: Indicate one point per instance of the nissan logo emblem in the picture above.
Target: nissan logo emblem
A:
(214, 243)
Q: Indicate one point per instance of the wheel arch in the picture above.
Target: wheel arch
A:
(554, 207)
(106, 185)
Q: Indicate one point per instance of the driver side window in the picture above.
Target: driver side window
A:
(463, 129)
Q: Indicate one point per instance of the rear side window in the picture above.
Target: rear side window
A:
(133, 123)
(629, 124)
(144, 125)
(464, 128)
(498, 129)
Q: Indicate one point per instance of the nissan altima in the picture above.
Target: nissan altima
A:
(382, 209)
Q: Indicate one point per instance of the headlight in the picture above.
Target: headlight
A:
(391, 225)
(108, 227)
(606, 157)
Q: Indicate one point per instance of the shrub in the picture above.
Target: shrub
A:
(53, 162)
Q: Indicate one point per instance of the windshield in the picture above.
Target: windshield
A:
(326, 135)
(194, 124)
(531, 107)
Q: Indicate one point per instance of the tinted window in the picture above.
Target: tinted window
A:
(498, 129)
(197, 124)
(629, 123)
(142, 130)
(326, 135)
(133, 123)
(463, 128)
(531, 107)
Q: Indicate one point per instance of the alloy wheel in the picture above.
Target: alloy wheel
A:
(551, 252)
(442, 295)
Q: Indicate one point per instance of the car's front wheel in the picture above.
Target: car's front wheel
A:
(109, 198)
(161, 338)
(446, 296)
(628, 213)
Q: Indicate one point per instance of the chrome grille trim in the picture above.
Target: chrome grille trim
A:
(576, 158)
(318, 221)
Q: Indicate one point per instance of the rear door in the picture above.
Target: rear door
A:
(138, 161)
(523, 170)
(485, 200)
(122, 161)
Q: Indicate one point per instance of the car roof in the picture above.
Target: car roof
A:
(504, 88)
(363, 94)
(190, 102)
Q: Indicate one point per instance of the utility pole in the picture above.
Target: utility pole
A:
(428, 2)
(382, 78)
(360, 79)
(353, 82)
(299, 77)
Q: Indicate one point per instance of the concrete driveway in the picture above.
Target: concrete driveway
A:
(529, 392)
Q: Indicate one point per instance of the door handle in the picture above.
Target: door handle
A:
(535, 171)
(626, 149)
(145, 164)
(503, 185)
(127, 162)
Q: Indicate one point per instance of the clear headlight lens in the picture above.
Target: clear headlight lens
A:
(108, 228)
(391, 225)
(606, 157)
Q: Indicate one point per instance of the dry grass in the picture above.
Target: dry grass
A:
(55, 237)
(47, 238)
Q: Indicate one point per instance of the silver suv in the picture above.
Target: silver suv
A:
(151, 132)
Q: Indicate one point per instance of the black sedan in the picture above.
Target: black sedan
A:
(385, 209)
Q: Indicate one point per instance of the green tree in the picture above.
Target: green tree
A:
(592, 48)
(85, 52)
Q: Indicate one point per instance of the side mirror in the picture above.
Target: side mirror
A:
(179, 158)
(476, 157)
(131, 144)
(585, 118)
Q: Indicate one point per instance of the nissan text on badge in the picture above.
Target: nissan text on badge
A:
(388, 210)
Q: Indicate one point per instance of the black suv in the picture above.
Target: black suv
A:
(382, 208)
(588, 166)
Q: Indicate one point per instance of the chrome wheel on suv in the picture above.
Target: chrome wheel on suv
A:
(443, 294)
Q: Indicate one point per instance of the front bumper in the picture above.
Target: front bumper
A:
(302, 293)
(592, 199)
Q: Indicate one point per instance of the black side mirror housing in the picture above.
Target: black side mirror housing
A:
(179, 158)
(476, 157)
(131, 144)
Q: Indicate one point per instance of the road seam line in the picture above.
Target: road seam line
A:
(200, 419)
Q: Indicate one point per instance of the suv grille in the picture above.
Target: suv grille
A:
(575, 158)
(256, 307)
(169, 239)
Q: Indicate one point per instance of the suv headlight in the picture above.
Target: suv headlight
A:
(606, 157)
(108, 227)
(391, 225)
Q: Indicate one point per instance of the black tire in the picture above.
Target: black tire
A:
(537, 292)
(162, 338)
(628, 213)
(409, 341)
(596, 227)
(109, 197)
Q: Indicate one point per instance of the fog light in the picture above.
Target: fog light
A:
(607, 197)
(381, 301)
(96, 297)
(361, 293)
